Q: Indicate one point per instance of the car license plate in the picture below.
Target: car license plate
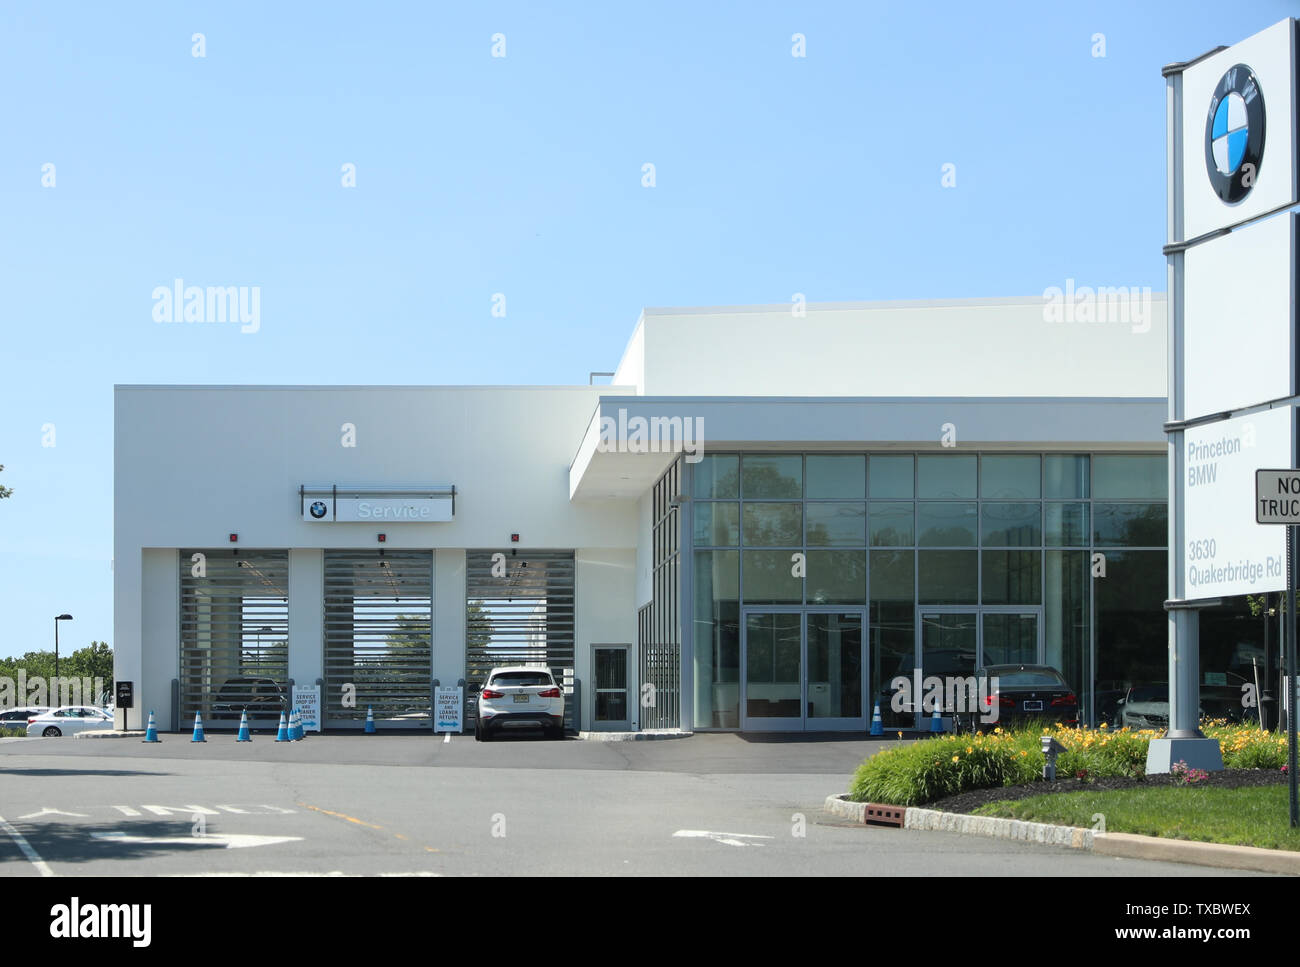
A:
(521, 698)
(1033, 706)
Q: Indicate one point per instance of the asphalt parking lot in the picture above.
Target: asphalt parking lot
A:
(418, 805)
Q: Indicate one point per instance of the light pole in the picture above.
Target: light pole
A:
(57, 619)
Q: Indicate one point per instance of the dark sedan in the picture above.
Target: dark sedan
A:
(1026, 693)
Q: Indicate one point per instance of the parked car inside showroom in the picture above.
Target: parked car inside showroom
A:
(520, 697)
(1028, 693)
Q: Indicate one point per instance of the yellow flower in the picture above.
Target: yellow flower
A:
(998, 730)
(1023, 753)
(969, 750)
(955, 758)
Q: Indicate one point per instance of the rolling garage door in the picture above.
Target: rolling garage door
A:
(519, 610)
(378, 653)
(234, 633)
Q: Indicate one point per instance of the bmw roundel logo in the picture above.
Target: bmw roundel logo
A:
(318, 509)
(1234, 134)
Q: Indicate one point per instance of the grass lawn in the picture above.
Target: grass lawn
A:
(1252, 816)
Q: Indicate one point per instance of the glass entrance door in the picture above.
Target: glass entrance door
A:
(955, 641)
(949, 650)
(836, 672)
(772, 671)
(803, 671)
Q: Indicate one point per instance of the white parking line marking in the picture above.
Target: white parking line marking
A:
(727, 839)
(47, 811)
(312, 873)
(446, 738)
(41, 866)
(189, 810)
(225, 840)
(127, 810)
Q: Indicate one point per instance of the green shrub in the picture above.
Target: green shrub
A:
(944, 766)
(934, 768)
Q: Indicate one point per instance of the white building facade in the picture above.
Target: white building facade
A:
(768, 515)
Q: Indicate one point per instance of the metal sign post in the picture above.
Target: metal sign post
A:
(1277, 501)
(1290, 675)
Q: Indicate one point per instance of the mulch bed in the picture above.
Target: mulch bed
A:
(967, 802)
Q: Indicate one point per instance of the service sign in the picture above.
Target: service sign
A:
(306, 699)
(1238, 318)
(378, 510)
(1226, 552)
(448, 709)
(1239, 137)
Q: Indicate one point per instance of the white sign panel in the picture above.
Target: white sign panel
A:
(378, 510)
(448, 706)
(1226, 552)
(1277, 497)
(1238, 318)
(1239, 138)
(306, 699)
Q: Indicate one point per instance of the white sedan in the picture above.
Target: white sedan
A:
(68, 720)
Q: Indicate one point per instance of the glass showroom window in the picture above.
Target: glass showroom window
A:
(983, 533)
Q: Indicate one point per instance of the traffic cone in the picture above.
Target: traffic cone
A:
(295, 726)
(936, 720)
(243, 735)
(151, 731)
(877, 727)
(198, 729)
(282, 734)
(370, 720)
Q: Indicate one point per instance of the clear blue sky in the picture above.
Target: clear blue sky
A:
(522, 175)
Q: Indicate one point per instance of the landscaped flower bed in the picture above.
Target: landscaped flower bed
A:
(936, 768)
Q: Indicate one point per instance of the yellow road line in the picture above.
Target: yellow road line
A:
(359, 822)
(345, 816)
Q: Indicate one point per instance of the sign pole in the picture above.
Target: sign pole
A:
(1290, 676)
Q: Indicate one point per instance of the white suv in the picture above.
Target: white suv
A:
(520, 697)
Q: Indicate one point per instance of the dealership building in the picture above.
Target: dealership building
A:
(767, 514)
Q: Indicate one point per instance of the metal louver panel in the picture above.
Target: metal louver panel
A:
(659, 622)
(378, 651)
(234, 633)
(519, 611)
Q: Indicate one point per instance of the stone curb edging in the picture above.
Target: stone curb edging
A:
(634, 736)
(1222, 855)
(1124, 845)
(933, 819)
(999, 828)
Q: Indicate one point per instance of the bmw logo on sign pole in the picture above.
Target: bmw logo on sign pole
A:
(1232, 247)
(1234, 134)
